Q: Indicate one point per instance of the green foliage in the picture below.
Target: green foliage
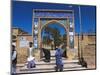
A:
(53, 35)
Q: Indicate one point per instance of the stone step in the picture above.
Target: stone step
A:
(54, 61)
(42, 67)
(49, 70)
(53, 58)
(50, 63)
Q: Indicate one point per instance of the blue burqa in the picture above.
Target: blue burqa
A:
(58, 56)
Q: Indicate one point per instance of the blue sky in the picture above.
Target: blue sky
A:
(22, 14)
(56, 26)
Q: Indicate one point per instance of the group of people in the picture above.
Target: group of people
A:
(31, 60)
(58, 55)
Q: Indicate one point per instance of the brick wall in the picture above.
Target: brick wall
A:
(22, 51)
(88, 49)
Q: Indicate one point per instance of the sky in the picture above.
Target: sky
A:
(22, 15)
(55, 26)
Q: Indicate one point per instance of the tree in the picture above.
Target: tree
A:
(56, 36)
(52, 34)
(65, 39)
(45, 39)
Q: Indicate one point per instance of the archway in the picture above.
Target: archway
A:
(54, 33)
(51, 28)
(42, 18)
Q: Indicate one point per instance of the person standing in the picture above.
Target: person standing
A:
(30, 59)
(47, 54)
(14, 60)
(58, 55)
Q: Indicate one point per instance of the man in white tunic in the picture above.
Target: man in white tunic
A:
(30, 59)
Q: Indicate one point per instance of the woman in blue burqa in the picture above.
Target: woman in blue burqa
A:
(58, 55)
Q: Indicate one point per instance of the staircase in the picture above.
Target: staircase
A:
(44, 67)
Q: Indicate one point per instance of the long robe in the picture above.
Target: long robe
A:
(58, 56)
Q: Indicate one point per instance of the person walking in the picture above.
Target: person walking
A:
(58, 56)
